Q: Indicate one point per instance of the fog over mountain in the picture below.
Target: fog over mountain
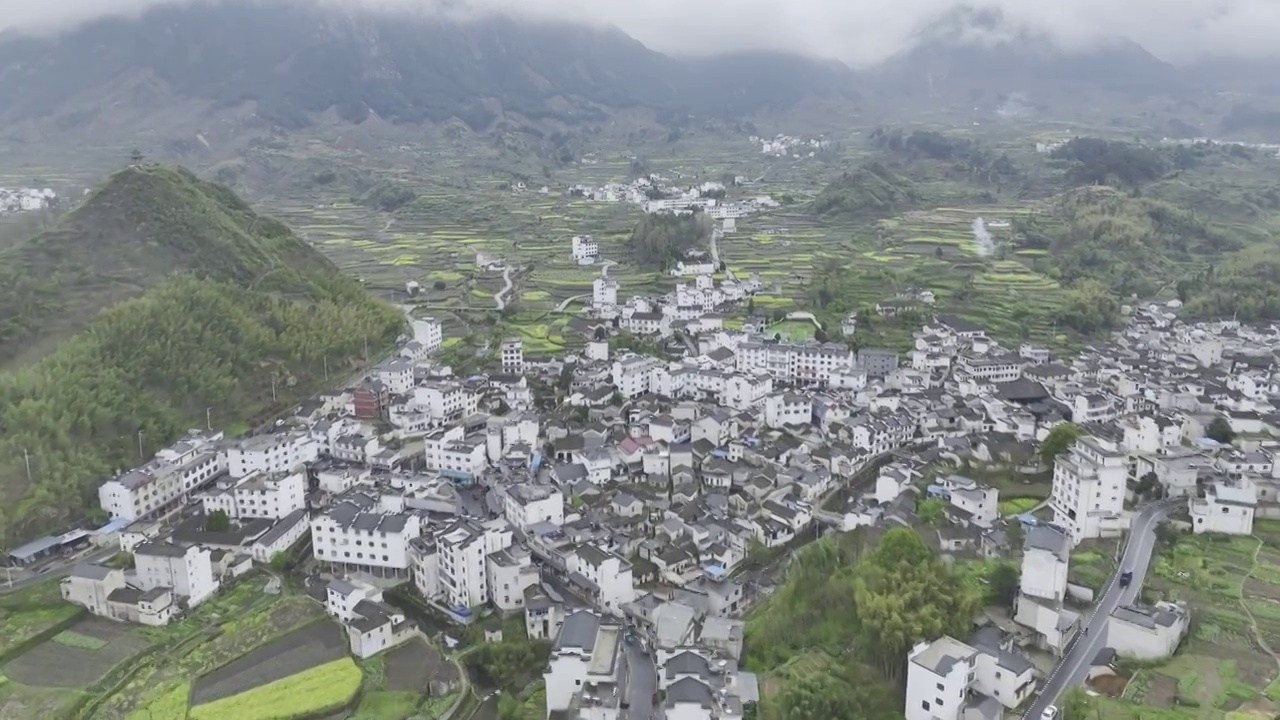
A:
(858, 32)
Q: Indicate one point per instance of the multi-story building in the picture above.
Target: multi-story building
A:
(1089, 489)
(273, 453)
(604, 292)
(808, 362)
(648, 323)
(584, 667)
(186, 570)
(1043, 588)
(939, 675)
(513, 355)
(443, 401)
(171, 476)
(948, 679)
(1225, 506)
(584, 249)
(463, 458)
(258, 495)
(632, 374)
(783, 409)
(452, 567)
(367, 533)
(508, 573)
(429, 333)
(527, 505)
(606, 577)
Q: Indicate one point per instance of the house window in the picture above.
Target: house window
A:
(924, 704)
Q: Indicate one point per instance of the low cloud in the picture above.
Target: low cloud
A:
(859, 32)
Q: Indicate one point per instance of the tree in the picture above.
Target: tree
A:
(1076, 705)
(1016, 534)
(905, 594)
(931, 511)
(1149, 486)
(509, 708)
(217, 521)
(1059, 440)
(1002, 587)
(1220, 431)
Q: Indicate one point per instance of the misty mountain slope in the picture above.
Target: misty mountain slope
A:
(296, 61)
(970, 55)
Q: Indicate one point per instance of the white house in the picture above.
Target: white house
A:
(186, 570)
(429, 333)
(1043, 587)
(526, 505)
(274, 452)
(513, 355)
(976, 504)
(604, 292)
(508, 573)
(451, 565)
(363, 532)
(605, 577)
(782, 409)
(1089, 485)
(938, 679)
(1147, 633)
(371, 625)
(259, 495)
(949, 680)
(585, 249)
(584, 659)
(1227, 507)
(631, 374)
(171, 476)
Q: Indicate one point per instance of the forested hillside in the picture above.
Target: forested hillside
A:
(832, 641)
(253, 306)
(143, 224)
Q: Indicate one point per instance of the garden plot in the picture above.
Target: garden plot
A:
(27, 613)
(1220, 672)
(413, 666)
(79, 659)
(301, 650)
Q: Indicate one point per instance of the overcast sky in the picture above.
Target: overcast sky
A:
(855, 31)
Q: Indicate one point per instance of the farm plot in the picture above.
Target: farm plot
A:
(398, 682)
(297, 652)
(1220, 671)
(65, 664)
(312, 691)
(27, 613)
(221, 630)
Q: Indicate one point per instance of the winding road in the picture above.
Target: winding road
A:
(1074, 666)
(500, 297)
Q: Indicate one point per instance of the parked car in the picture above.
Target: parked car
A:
(1050, 713)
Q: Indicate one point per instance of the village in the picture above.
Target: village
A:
(16, 200)
(615, 501)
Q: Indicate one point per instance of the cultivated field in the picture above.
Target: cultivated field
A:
(77, 660)
(1226, 668)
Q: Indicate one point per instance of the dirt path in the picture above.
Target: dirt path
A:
(1253, 622)
(500, 297)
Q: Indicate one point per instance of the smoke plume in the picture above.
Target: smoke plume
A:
(986, 245)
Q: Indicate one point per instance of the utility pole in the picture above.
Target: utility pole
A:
(366, 348)
(140, 455)
(273, 388)
(208, 418)
(26, 458)
(326, 369)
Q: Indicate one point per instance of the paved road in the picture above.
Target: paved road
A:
(641, 683)
(1074, 666)
(500, 297)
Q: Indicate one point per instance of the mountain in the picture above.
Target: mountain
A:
(291, 61)
(143, 225)
(161, 302)
(970, 56)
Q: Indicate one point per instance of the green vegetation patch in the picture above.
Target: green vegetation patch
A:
(325, 688)
(170, 705)
(71, 638)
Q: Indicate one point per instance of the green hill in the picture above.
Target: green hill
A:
(143, 225)
(207, 305)
(871, 190)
